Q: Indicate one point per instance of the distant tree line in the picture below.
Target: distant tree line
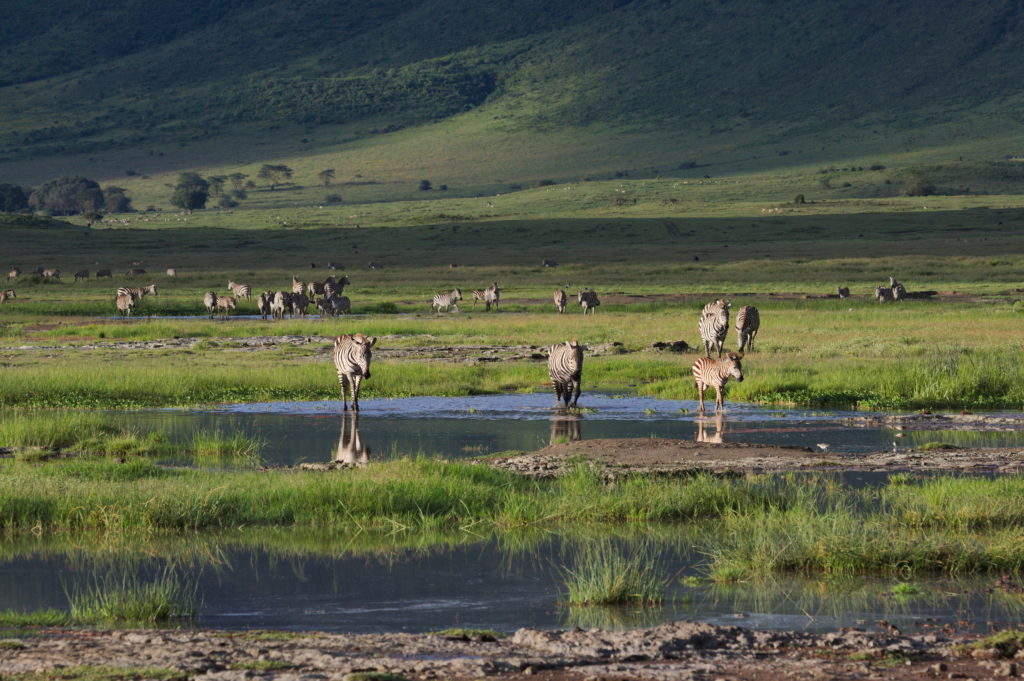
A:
(68, 195)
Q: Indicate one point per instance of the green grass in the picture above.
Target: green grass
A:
(603, 573)
(100, 673)
(124, 597)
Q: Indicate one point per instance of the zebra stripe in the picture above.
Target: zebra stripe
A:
(225, 304)
(714, 325)
(281, 303)
(125, 304)
(565, 367)
(714, 373)
(588, 301)
(210, 301)
(352, 361)
(446, 300)
(748, 321)
(334, 288)
(560, 299)
(491, 296)
(298, 286)
(240, 290)
(314, 289)
(478, 296)
(263, 303)
(299, 304)
(136, 292)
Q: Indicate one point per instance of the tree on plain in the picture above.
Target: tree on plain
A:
(191, 192)
(326, 176)
(274, 174)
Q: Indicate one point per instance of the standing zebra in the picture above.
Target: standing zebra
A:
(14, 273)
(560, 299)
(898, 291)
(81, 274)
(225, 304)
(172, 272)
(714, 325)
(298, 286)
(281, 303)
(478, 296)
(491, 296)
(125, 304)
(352, 360)
(446, 300)
(565, 367)
(51, 273)
(137, 292)
(134, 272)
(314, 289)
(6, 295)
(843, 292)
(263, 303)
(883, 294)
(240, 290)
(299, 304)
(714, 373)
(104, 273)
(334, 288)
(340, 305)
(748, 321)
(588, 301)
(210, 301)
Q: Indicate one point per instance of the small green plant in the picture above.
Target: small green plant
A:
(1006, 643)
(263, 665)
(121, 595)
(474, 634)
(933, 446)
(906, 589)
(603, 573)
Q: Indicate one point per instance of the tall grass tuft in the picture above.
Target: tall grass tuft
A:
(122, 595)
(603, 573)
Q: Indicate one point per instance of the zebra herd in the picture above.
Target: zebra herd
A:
(325, 295)
(491, 296)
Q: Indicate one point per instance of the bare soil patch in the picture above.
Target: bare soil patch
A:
(679, 650)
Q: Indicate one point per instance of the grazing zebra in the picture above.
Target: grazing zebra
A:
(491, 296)
(210, 301)
(748, 321)
(240, 290)
(51, 273)
(560, 299)
(299, 304)
(280, 304)
(6, 295)
(352, 361)
(883, 294)
(565, 367)
(843, 292)
(125, 304)
(351, 449)
(446, 300)
(81, 274)
(134, 272)
(172, 272)
(714, 373)
(104, 273)
(137, 292)
(263, 303)
(588, 301)
(14, 273)
(714, 325)
(225, 304)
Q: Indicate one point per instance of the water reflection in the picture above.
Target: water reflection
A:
(703, 435)
(351, 449)
(565, 427)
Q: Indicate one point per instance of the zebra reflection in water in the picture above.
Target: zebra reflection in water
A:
(716, 438)
(351, 449)
(565, 427)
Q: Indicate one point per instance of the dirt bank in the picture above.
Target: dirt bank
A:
(680, 650)
(618, 456)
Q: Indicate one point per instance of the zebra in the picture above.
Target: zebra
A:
(714, 325)
(299, 304)
(748, 321)
(134, 272)
(843, 292)
(491, 296)
(341, 305)
(104, 273)
(280, 304)
(6, 295)
(14, 273)
(334, 288)
(172, 272)
(560, 300)
(225, 304)
(137, 292)
(125, 304)
(446, 300)
(335, 266)
(51, 273)
(81, 274)
(714, 373)
(351, 449)
(314, 289)
(210, 301)
(375, 265)
(263, 302)
(898, 291)
(549, 263)
(240, 290)
(326, 307)
(478, 296)
(298, 286)
(883, 294)
(565, 367)
(588, 301)
(352, 360)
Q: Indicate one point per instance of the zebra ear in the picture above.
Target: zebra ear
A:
(373, 341)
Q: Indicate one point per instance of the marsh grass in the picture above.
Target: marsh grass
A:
(122, 595)
(604, 573)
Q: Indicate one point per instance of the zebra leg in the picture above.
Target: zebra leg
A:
(558, 394)
(344, 392)
(700, 394)
(576, 391)
(355, 392)
(719, 402)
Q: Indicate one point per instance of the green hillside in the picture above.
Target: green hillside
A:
(556, 89)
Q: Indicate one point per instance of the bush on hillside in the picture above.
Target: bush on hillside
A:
(12, 198)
